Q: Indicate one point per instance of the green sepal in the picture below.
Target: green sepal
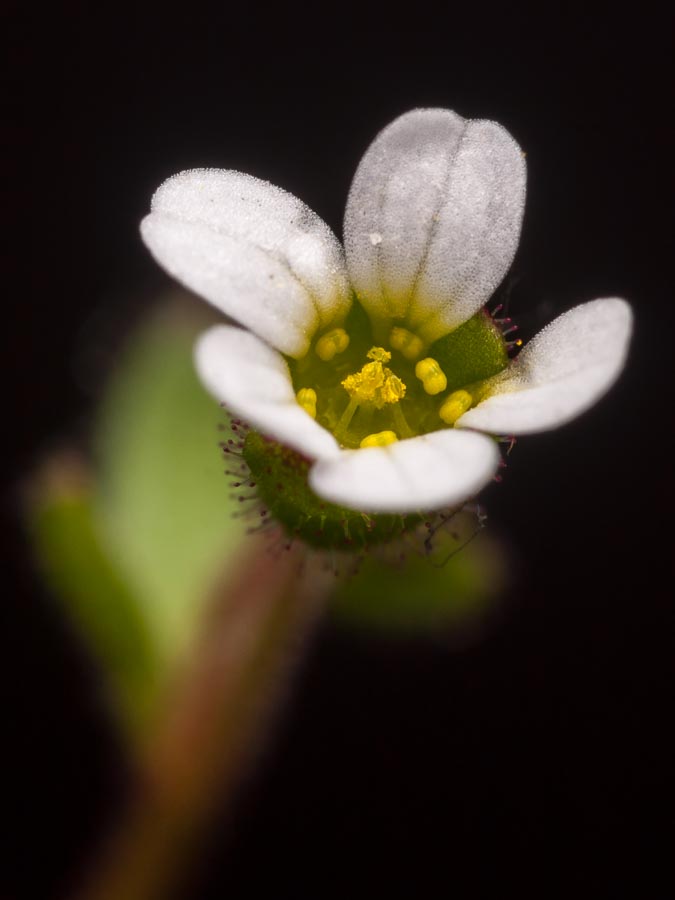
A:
(280, 476)
(474, 351)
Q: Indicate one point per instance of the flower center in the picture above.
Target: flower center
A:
(373, 388)
(370, 394)
(374, 383)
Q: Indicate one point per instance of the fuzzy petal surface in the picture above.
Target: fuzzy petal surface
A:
(433, 219)
(253, 250)
(252, 380)
(560, 373)
(424, 473)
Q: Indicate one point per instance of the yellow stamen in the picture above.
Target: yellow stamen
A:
(375, 384)
(380, 439)
(379, 354)
(364, 385)
(455, 406)
(431, 375)
(306, 398)
(393, 388)
(406, 343)
(331, 343)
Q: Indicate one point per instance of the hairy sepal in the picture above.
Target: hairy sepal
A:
(280, 477)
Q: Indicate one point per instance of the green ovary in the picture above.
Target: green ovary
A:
(360, 390)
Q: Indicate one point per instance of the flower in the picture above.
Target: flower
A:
(377, 363)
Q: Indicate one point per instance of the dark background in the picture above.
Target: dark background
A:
(537, 761)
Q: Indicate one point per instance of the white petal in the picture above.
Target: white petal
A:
(253, 382)
(420, 474)
(254, 251)
(560, 373)
(433, 218)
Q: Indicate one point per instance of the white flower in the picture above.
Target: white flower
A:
(431, 227)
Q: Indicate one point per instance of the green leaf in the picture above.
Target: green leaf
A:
(450, 590)
(163, 498)
(75, 565)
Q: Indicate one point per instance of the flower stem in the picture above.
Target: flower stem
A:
(210, 722)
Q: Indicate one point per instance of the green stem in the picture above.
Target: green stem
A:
(209, 722)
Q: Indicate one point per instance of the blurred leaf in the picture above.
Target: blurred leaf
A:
(450, 591)
(163, 499)
(75, 565)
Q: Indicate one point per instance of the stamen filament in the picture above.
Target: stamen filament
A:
(345, 419)
(400, 422)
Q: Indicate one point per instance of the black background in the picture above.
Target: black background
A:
(537, 761)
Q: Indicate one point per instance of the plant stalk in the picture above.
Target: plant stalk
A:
(211, 721)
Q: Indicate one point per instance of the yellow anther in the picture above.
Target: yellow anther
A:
(331, 343)
(375, 384)
(379, 354)
(431, 375)
(364, 385)
(406, 343)
(306, 398)
(393, 388)
(455, 406)
(380, 439)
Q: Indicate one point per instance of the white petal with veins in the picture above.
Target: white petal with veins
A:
(252, 380)
(253, 250)
(433, 219)
(430, 472)
(560, 373)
